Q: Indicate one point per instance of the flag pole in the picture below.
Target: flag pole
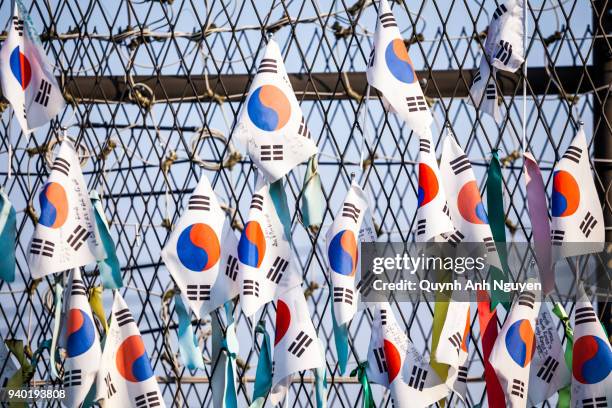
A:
(364, 118)
(525, 44)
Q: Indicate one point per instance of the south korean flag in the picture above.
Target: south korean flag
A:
(577, 225)
(264, 254)
(465, 205)
(515, 347)
(271, 125)
(66, 236)
(350, 227)
(296, 345)
(433, 217)
(82, 344)
(591, 358)
(201, 253)
(391, 71)
(27, 78)
(126, 378)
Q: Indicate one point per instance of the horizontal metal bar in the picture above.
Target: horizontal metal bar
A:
(314, 86)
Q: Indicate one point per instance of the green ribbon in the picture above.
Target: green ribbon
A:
(565, 397)
(279, 198)
(362, 376)
(341, 340)
(188, 343)
(497, 221)
(110, 269)
(59, 289)
(263, 375)
(8, 238)
(313, 200)
(27, 367)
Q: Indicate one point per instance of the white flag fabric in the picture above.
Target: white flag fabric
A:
(591, 358)
(66, 236)
(264, 254)
(390, 70)
(201, 253)
(453, 346)
(514, 348)
(83, 352)
(504, 49)
(271, 124)
(577, 225)
(549, 372)
(296, 345)
(432, 213)
(126, 378)
(464, 202)
(343, 246)
(27, 79)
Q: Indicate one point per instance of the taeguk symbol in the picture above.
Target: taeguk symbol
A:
(268, 108)
(592, 360)
(132, 360)
(565, 195)
(520, 342)
(283, 321)
(399, 62)
(343, 253)
(252, 245)
(53, 205)
(198, 247)
(81, 332)
(428, 185)
(470, 205)
(20, 67)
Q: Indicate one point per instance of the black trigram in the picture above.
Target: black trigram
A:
(61, 165)
(42, 97)
(124, 316)
(446, 211)
(72, 378)
(371, 59)
(527, 299)
(78, 288)
(150, 399)
(271, 152)
(504, 53)
(499, 11)
(42, 247)
(424, 145)
(110, 387)
(78, 236)
(585, 315)
(198, 292)
(300, 344)
(250, 287)
(383, 317)
(257, 202)
(387, 20)
(460, 164)
(557, 237)
(595, 402)
(573, 153)
(421, 227)
(416, 103)
(303, 130)
(278, 268)
(518, 388)
(417, 378)
(351, 211)
(231, 270)
(588, 223)
(268, 65)
(455, 238)
(547, 371)
(490, 91)
(455, 340)
(18, 24)
(343, 295)
(462, 373)
(199, 202)
(477, 77)
(489, 244)
(381, 363)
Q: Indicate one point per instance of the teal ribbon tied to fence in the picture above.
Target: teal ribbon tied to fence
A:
(362, 376)
(497, 221)
(110, 269)
(320, 374)
(565, 397)
(225, 350)
(188, 343)
(342, 344)
(313, 200)
(263, 375)
(279, 198)
(8, 238)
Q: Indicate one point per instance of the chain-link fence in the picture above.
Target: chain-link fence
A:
(154, 89)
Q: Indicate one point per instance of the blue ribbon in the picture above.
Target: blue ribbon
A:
(110, 269)
(188, 343)
(224, 351)
(263, 375)
(279, 198)
(341, 340)
(313, 200)
(321, 384)
(8, 238)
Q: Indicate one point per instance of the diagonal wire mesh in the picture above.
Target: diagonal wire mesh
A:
(154, 89)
